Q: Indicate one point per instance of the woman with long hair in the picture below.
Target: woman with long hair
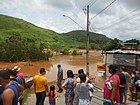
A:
(69, 86)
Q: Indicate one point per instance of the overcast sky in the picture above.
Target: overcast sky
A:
(120, 20)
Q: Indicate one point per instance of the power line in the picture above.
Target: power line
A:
(120, 19)
(89, 3)
(103, 10)
(128, 29)
(127, 18)
(93, 3)
(91, 28)
(130, 13)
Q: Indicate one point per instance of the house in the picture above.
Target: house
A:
(129, 46)
(128, 58)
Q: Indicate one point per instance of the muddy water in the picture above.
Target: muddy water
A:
(67, 61)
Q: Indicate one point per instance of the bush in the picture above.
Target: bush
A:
(65, 51)
(75, 52)
(15, 48)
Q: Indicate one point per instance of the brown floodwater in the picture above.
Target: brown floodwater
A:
(67, 61)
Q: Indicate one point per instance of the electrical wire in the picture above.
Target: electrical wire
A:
(125, 19)
(90, 3)
(103, 10)
(121, 19)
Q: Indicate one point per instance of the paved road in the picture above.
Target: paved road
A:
(31, 100)
(61, 100)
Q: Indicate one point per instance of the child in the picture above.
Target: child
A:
(52, 95)
(90, 88)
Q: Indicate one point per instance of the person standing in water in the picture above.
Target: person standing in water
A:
(59, 78)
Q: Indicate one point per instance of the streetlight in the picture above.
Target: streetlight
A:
(87, 47)
(74, 21)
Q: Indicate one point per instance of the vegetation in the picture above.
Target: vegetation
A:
(16, 48)
(21, 40)
(65, 51)
(26, 92)
(96, 40)
(76, 52)
(134, 41)
(113, 45)
(12, 26)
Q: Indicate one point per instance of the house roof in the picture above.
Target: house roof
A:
(130, 43)
(119, 51)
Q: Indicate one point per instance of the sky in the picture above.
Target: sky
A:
(119, 18)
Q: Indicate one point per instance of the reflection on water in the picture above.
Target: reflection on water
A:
(67, 61)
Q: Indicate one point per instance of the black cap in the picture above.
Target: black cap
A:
(4, 74)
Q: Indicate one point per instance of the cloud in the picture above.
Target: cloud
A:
(131, 3)
(59, 4)
(120, 20)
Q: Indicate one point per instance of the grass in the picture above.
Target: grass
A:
(26, 93)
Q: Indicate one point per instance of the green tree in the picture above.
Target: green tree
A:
(95, 46)
(16, 48)
(134, 41)
(113, 45)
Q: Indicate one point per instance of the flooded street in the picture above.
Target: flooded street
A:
(67, 61)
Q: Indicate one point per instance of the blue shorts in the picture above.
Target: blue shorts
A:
(51, 101)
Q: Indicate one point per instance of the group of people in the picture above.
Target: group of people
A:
(78, 91)
(116, 86)
(135, 85)
(12, 84)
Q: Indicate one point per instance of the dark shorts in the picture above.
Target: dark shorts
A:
(51, 101)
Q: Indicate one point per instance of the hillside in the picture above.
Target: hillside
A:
(13, 26)
(98, 40)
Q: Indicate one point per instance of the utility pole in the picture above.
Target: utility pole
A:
(87, 48)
